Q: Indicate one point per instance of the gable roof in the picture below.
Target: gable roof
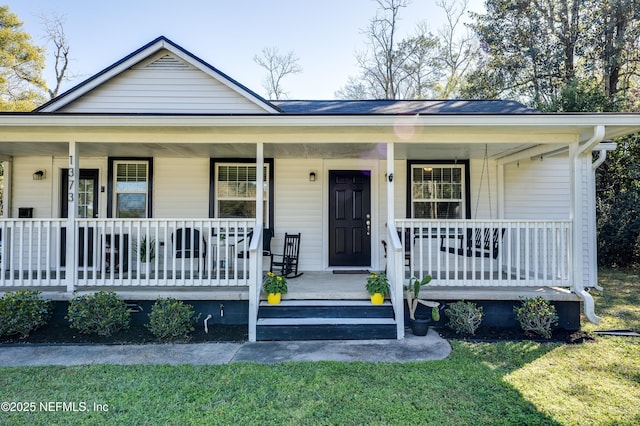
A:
(148, 51)
(199, 88)
(392, 107)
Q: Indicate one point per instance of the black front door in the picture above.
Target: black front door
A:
(349, 218)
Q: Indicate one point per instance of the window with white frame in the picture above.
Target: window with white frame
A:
(236, 190)
(438, 191)
(131, 183)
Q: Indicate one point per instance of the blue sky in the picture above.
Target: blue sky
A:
(324, 34)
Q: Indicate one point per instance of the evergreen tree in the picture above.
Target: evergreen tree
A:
(21, 65)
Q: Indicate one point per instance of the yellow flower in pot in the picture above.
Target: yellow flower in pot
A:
(378, 287)
(275, 286)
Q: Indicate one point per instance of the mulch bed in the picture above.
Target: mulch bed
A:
(136, 334)
(493, 334)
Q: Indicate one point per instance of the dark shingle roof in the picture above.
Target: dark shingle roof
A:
(404, 107)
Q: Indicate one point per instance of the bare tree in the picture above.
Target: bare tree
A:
(421, 64)
(380, 62)
(458, 50)
(355, 89)
(54, 33)
(278, 66)
(393, 68)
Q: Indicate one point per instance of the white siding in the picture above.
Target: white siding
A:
(484, 206)
(535, 189)
(33, 193)
(163, 88)
(299, 208)
(399, 188)
(180, 187)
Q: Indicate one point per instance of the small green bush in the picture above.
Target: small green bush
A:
(22, 312)
(464, 317)
(103, 313)
(171, 319)
(536, 316)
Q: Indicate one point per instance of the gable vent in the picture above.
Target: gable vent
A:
(167, 62)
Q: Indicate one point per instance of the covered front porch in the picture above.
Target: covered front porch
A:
(220, 259)
(503, 245)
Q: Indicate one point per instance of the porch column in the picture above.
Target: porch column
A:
(575, 214)
(7, 164)
(72, 209)
(396, 278)
(580, 164)
(256, 282)
(390, 185)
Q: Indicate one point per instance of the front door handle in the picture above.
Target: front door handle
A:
(368, 223)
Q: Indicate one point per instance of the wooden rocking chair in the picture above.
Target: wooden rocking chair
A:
(288, 265)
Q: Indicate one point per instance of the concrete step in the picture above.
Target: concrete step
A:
(326, 320)
(326, 309)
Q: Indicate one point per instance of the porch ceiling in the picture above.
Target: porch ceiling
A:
(273, 150)
(432, 151)
(437, 137)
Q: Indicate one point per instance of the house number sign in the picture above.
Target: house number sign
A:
(72, 178)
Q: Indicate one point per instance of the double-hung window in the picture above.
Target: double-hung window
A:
(131, 183)
(437, 191)
(236, 190)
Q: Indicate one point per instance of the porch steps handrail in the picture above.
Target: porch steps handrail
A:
(395, 269)
(255, 281)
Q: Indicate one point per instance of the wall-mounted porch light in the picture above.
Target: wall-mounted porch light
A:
(39, 175)
(312, 176)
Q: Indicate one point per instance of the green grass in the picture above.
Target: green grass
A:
(482, 384)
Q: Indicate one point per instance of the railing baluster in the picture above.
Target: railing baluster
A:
(528, 252)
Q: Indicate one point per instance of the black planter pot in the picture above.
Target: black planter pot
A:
(420, 326)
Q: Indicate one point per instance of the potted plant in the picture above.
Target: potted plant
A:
(420, 326)
(146, 251)
(275, 286)
(378, 287)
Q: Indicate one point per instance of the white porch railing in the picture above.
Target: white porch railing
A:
(488, 252)
(124, 252)
(396, 278)
(30, 253)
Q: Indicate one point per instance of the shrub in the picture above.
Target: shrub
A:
(171, 319)
(23, 312)
(536, 316)
(103, 313)
(464, 317)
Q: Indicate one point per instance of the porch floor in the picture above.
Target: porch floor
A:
(312, 285)
(321, 285)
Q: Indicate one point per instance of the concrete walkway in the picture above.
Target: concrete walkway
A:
(412, 348)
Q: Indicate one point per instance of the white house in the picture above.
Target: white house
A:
(158, 153)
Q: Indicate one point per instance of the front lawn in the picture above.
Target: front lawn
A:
(480, 383)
